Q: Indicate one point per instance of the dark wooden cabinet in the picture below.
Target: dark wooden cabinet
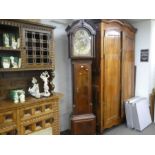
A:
(32, 44)
(113, 68)
(81, 37)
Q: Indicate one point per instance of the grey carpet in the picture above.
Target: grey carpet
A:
(123, 130)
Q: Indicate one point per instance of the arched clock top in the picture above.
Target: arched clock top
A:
(81, 24)
(81, 39)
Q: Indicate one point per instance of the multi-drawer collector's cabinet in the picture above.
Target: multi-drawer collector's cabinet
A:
(30, 117)
(26, 50)
(113, 71)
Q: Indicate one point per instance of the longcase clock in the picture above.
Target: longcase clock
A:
(81, 41)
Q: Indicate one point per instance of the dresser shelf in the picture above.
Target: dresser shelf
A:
(22, 69)
(10, 49)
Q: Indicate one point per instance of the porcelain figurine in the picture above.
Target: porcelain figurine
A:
(6, 62)
(34, 90)
(22, 96)
(16, 98)
(6, 40)
(13, 63)
(18, 43)
(14, 43)
(45, 76)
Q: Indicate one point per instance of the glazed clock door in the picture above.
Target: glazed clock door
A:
(112, 82)
(82, 87)
(82, 41)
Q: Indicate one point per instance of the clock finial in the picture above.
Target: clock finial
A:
(82, 21)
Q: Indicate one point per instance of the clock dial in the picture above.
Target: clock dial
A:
(82, 43)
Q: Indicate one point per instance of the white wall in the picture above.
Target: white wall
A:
(62, 79)
(143, 71)
(152, 56)
(145, 39)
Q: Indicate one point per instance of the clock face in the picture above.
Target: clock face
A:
(82, 43)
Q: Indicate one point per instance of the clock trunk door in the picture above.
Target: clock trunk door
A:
(82, 87)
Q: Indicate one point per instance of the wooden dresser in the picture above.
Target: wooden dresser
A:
(31, 45)
(31, 116)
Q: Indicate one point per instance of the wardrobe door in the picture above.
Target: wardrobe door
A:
(128, 77)
(112, 72)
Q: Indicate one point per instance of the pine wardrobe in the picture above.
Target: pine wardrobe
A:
(113, 71)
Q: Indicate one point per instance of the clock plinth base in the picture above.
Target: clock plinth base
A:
(83, 124)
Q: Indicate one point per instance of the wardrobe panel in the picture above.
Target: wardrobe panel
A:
(112, 51)
(128, 71)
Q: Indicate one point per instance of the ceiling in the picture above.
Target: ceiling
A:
(69, 21)
(132, 21)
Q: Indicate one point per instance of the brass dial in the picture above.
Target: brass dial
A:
(82, 43)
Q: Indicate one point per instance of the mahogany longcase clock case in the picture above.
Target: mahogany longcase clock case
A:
(81, 41)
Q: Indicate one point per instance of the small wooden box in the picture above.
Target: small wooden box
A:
(83, 124)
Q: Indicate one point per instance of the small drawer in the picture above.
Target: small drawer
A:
(26, 113)
(48, 122)
(28, 129)
(8, 117)
(38, 110)
(48, 107)
(39, 125)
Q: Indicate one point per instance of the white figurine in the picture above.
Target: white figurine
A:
(6, 63)
(16, 98)
(14, 43)
(34, 91)
(44, 76)
(18, 43)
(6, 40)
(13, 63)
(22, 96)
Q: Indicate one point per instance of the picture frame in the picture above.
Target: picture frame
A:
(144, 55)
